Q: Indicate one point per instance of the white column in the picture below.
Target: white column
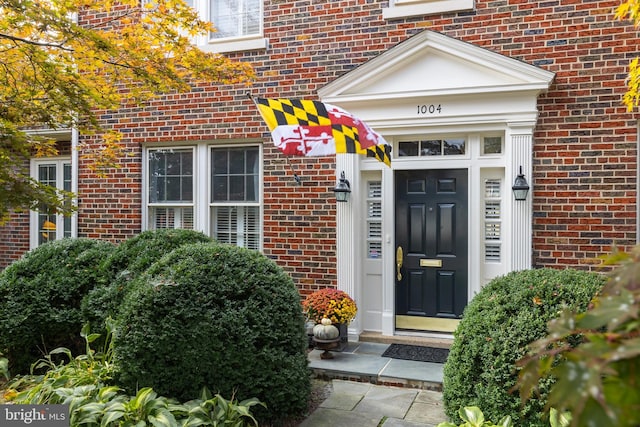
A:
(347, 236)
(521, 144)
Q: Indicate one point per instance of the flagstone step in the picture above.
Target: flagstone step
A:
(362, 362)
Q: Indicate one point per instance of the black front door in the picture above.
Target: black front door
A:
(431, 248)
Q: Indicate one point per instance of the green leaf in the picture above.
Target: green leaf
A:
(446, 424)
(472, 415)
(630, 348)
(4, 367)
(62, 350)
(163, 419)
(505, 422)
(111, 416)
(611, 311)
(558, 419)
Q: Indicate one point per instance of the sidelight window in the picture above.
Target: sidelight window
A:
(492, 220)
(374, 219)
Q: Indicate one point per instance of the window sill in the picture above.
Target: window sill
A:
(236, 45)
(426, 8)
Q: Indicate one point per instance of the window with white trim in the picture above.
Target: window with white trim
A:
(170, 188)
(492, 220)
(215, 189)
(45, 223)
(235, 197)
(374, 219)
(238, 23)
(406, 8)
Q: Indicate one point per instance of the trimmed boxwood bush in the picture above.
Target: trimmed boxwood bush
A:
(502, 319)
(130, 259)
(218, 316)
(40, 299)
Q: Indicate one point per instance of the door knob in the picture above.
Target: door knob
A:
(399, 261)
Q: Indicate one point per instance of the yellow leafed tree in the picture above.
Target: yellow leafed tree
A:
(630, 9)
(58, 68)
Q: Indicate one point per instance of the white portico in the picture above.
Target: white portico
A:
(416, 241)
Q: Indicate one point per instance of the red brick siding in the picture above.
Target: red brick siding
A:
(14, 238)
(584, 147)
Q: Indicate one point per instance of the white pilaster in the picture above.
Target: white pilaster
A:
(521, 144)
(388, 253)
(347, 239)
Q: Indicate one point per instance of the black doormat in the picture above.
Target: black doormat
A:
(416, 352)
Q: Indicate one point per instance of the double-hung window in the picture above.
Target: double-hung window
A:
(406, 8)
(214, 189)
(235, 196)
(171, 188)
(46, 225)
(238, 23)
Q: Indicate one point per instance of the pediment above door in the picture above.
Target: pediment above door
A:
(431, 63)
(433, 69)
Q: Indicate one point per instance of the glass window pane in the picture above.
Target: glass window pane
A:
(172, 188)
(46, 228)
(47, 174)
(171, 176)
(251, 191)
(219, 162)
(431, 148)
(453, 146)
(163, 218)
(236, 225)
(219, 189)
(238, 178)
(492, 145)
(233, 18)
(236, 162)
(187, 188)
(408, 148)
(236, 188)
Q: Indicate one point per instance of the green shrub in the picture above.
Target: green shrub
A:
(216, 316)
(130, 259)
(40, 299)
(498, 324)
(597, 378)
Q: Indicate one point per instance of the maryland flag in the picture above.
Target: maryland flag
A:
(312, 128)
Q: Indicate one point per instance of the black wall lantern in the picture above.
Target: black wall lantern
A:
(342, 189)
(520, 187)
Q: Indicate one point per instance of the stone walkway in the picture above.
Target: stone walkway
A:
(357, 404)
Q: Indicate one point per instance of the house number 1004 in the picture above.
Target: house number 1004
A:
(429, 109)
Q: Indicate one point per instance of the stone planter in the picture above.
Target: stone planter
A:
(338, 344)
(343, 328)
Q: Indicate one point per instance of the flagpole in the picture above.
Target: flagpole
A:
(295, 175)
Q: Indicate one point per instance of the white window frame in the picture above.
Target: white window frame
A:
(229, 44)
(408, 8)
(34, 216)
(237, 204)
(178, 206)
(202, 185)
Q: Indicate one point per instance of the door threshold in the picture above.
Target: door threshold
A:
(409, 337)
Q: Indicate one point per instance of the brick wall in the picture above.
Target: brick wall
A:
(14, 238)
(584, 147)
